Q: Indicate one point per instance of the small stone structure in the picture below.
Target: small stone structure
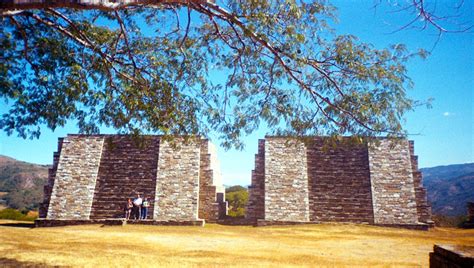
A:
(302, 182)
(444, 256)
(469, 223)
(470, 212)
(93, 175)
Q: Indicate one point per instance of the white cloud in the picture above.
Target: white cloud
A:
(448, 114)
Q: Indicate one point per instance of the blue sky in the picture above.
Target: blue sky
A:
(443, 135)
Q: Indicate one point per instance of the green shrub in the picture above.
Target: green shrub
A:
(449, 221)
(13, 214)
(237, 201)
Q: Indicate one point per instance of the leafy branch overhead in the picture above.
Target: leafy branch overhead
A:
(196, 67)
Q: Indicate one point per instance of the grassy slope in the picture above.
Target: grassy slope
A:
(214, 245)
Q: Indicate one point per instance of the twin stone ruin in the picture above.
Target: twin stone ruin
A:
(294, 181)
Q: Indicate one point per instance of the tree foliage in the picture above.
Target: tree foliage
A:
(195, 67)
(237, 198)
(235, 188)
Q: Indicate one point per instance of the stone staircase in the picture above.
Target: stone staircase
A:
(128, 166)
(256, 204)
(48, 188)
(422, 207)
(212, 205)
(339, 182)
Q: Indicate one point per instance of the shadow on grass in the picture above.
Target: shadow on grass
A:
(18, 225)
(5, 262)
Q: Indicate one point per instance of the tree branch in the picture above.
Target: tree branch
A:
(125, 37)
(6, 6)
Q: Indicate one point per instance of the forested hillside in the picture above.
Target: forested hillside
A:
(449, 188)
(22, 183)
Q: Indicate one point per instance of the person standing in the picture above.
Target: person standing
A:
(145, 206)
(128, 209)
(137, 204)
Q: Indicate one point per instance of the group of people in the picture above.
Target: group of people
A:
(137, 209)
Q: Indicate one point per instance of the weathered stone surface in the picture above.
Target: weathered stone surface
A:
(393, 191)
(177, 182)
(72, 195)
(286, 180)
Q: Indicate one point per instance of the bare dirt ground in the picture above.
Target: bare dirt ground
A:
(216, 246)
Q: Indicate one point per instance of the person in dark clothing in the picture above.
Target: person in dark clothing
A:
(137, 204)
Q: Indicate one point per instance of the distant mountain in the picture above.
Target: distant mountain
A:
(449, 188)
(22, 182)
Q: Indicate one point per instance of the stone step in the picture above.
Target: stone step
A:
(125, 169)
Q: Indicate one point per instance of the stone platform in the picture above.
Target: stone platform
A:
(236, 221)
(260, 223)
(452, 256)
(420, 226)
(56, 223)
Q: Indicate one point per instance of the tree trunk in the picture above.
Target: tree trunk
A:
(106, 5)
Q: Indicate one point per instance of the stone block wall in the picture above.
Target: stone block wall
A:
(339, 182)
(393, 190)
(286, 180)
(343, 182)
(177, 182)
(78, 166)
(93, 175)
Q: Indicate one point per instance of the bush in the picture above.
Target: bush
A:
(25, 199)
(237, 201)
(235, 188)
(449, 221)
(13, 214)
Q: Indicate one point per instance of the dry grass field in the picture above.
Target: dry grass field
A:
(215, 245)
